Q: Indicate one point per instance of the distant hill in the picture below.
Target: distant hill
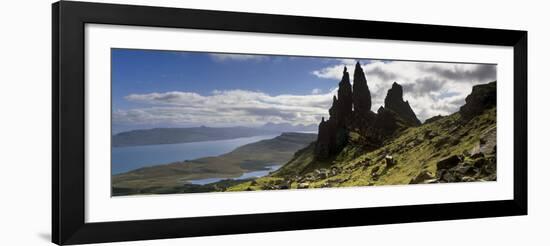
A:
(184, 135)
(255, 156)
(286, 127)
(203, 133)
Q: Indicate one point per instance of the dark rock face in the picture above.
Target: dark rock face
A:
(345, 104)
(333, 134)
(448, 162)
(361, 93)
(482, 97)
(386, 121)
(334, 110)
(394, 102)
(326, 139)
(351, 111)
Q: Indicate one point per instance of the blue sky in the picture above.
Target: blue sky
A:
(145, 71)
(153, 88)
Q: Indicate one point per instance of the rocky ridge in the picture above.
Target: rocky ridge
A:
(460, 147)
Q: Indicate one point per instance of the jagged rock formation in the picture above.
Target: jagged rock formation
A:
(332, 133)
(482, 97)
(394, 102)
(345, 105)
(447, 149)
(351, 112)
(361, 93)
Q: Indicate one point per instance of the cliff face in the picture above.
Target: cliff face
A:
(351, 112)
(394, 102)
(481, 98)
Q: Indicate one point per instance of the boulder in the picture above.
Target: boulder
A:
(334, 171)
(477, 155)
(321, 173)
(374, 170)
(448, 162)
(448, 177)
(283, 187)
(422, 177)
(390, 161)
(465, 170)
(467, 179)
(429, 134)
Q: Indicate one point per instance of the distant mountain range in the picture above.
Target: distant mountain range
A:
(197, 134)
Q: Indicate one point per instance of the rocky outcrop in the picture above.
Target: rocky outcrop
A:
(482, 97)
(326, 139)
(351, 111)
(448, 162)
(487, 143)
(361, 93)
(394, 102)
(460, 168)
(423, 177)
(433, 119)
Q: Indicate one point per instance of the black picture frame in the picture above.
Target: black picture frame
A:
(68, 152)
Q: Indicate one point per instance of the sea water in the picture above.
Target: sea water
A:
(124, 159)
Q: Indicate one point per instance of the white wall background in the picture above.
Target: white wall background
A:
(25, 58)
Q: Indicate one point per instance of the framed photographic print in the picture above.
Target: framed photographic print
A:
(176, 122)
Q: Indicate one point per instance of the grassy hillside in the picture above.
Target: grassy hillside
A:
(448, 149)
(170, 178)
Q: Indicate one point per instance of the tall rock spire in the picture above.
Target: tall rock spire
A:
(333, 135)
(345, 97)
(334, 111)
(361, 93)
(394, 102)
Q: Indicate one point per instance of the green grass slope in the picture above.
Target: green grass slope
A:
(411, 156)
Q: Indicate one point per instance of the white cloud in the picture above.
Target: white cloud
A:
(431, 88)
(316, 91)
(224, 108)
(237, 57)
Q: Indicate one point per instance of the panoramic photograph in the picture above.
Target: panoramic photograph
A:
(196, 122)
